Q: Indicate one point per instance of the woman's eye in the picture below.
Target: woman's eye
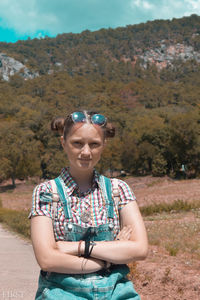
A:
(77, 144)
(94, 145)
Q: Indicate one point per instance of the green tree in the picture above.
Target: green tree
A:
(19, 152)
(111, 158)
(159, 165)
(184, 143)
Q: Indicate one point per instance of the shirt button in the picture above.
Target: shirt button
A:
(111, 226)
(69, 227)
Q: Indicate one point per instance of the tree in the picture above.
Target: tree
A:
(19, 152)
(159, 165)
(111, 158)
(184, 143)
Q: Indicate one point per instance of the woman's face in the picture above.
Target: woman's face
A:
(84, 145)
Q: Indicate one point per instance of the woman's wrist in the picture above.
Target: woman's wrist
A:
(82, 248)
(85, 248)
(91, 265)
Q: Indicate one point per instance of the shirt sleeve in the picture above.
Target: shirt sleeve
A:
(42, 201)
(126, 194)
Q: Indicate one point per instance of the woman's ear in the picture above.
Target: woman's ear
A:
(105, 143)
(62, 141)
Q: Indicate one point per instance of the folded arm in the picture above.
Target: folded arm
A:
(50, 258)
(133, 247)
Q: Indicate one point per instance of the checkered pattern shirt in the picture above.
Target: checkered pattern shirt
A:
(93, 200)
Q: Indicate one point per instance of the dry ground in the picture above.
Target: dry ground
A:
(172, 268)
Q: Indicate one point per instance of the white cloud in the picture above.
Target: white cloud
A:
(192, 7)
(142, 4)
(165, 9)
(194, 4)
(25, 17)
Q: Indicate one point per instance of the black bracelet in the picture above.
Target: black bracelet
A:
(88, 250)
(87, 246)
(92, 244)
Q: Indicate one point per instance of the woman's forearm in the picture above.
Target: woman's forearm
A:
(57, 261)
(117, 252)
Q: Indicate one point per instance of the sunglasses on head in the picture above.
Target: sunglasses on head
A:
(80, 117)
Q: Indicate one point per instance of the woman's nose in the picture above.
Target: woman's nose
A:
(86, 150)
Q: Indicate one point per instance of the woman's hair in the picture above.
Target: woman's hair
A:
(63, 125)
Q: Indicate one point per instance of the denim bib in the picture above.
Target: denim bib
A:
(99, 285)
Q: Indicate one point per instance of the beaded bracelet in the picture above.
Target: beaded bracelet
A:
(79, 248)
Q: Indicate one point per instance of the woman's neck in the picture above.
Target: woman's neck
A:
(83, 179)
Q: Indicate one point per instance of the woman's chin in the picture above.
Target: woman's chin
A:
(85, 165)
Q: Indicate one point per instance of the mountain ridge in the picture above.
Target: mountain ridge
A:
(89, 52)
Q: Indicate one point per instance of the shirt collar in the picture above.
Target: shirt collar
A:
(71, 184)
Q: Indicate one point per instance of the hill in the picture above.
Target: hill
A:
(97, 52)
(145, 77)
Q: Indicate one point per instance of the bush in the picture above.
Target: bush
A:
(159, 165)
(17, 220)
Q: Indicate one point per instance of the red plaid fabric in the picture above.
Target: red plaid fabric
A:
(92, 200)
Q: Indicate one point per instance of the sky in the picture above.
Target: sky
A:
(20, 19)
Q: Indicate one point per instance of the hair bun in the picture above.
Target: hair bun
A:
(57, 124)
(110, 130)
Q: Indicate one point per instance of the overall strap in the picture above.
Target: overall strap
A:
(106, 187)
(55, 196)
(63, 197)
(116, 194)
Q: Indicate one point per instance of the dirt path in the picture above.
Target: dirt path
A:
(19, 270)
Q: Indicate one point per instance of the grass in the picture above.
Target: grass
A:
(177, 234)
(155, 182)
(176, 206)
(16, 220)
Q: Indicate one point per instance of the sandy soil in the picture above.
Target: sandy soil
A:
(150, 190)
(160, 276)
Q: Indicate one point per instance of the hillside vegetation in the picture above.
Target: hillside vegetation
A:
(156, 108)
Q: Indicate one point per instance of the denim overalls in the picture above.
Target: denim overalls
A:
(111, 284)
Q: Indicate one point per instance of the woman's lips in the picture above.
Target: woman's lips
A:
(82, 159)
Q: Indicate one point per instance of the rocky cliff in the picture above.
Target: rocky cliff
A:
(165, 55)
(9, 67)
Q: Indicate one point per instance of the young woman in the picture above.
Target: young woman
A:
(97, 227)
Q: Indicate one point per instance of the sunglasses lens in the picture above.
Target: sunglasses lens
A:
(98, 119)
(78, 117)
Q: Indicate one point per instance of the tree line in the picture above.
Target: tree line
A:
(157, 116)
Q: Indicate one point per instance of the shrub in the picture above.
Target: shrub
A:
(17, 220)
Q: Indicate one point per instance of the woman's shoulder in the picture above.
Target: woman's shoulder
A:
(119, 182)
(125, 190)
(41, 200)
(44, 186)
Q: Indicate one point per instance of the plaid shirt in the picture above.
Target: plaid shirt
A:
(92, 200)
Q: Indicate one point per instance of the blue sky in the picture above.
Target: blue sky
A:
(20, 19)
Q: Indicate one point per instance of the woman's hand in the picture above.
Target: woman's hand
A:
(125, 233)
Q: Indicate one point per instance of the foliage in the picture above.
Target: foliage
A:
(159, 165)
(156, 113)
